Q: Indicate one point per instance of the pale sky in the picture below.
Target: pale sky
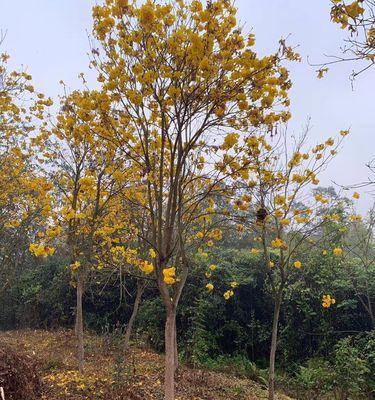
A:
(49, 38)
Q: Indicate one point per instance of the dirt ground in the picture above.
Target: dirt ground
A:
(109, 376)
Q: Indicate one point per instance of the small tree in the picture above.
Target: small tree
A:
(359, 259)
(286, 219)
(88, 181)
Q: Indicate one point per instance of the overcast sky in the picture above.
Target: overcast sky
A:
(49, 38)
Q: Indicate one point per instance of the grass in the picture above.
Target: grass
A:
(108, 375)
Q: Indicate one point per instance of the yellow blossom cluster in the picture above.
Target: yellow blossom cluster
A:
(41, 250)
(169, 275)
(228, 294)
(327, 301)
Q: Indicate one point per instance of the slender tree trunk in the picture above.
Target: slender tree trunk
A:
(137, 302)
(275, 324)
(79, 323)
(176, 363)
(170, 354)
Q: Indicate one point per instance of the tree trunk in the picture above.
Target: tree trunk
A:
(170, 354)
(275, 324)
(176, 363)
(79, 323)
(137, 302)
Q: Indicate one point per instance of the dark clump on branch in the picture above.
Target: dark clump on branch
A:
(261, 215)
(19, 379)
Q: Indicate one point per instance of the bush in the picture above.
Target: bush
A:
(238, 365)
(350, 370)
(365, 343)
(315, 379)
(18, 375)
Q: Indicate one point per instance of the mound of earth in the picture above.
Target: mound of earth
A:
(19, 379)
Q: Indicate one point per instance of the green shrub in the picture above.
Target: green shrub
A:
(350, 370)
(315, 379)
(237, 365)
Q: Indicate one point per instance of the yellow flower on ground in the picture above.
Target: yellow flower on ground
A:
(212, 267)
(210, 287)
(324, 252)
(337, 251)
(169, 275)
(234, 284)
(297, 264)
(271, 264)
(152, 253)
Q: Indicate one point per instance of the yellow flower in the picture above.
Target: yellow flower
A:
(254, 251)
(169, 275)
(285, 222)
(152, 253)
(210, 243)
(210, 287)
(280, 200)
(324, 252)
(344, 133)
(279, 244)
(279, 213)
(327, 301)
(234, 284)
(356, 195)
(40, 250)
(271, 264)
(231, 139)
(75, 266)
(146, 267)
(228, 294)
(297, 264)
(212, 267)
(337, 251)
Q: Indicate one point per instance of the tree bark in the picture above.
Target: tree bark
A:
(170, 354)
(275, 324)
(137, 302)
(176, 363)
(79, 323)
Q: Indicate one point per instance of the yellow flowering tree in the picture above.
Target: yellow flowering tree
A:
(185, 85)
(24, 192)
(286, 219)
(89, 180)
(358, 18)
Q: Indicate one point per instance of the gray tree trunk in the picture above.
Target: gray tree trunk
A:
(137, 302)
(79, 324)
(170, 354)
(275, 324)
